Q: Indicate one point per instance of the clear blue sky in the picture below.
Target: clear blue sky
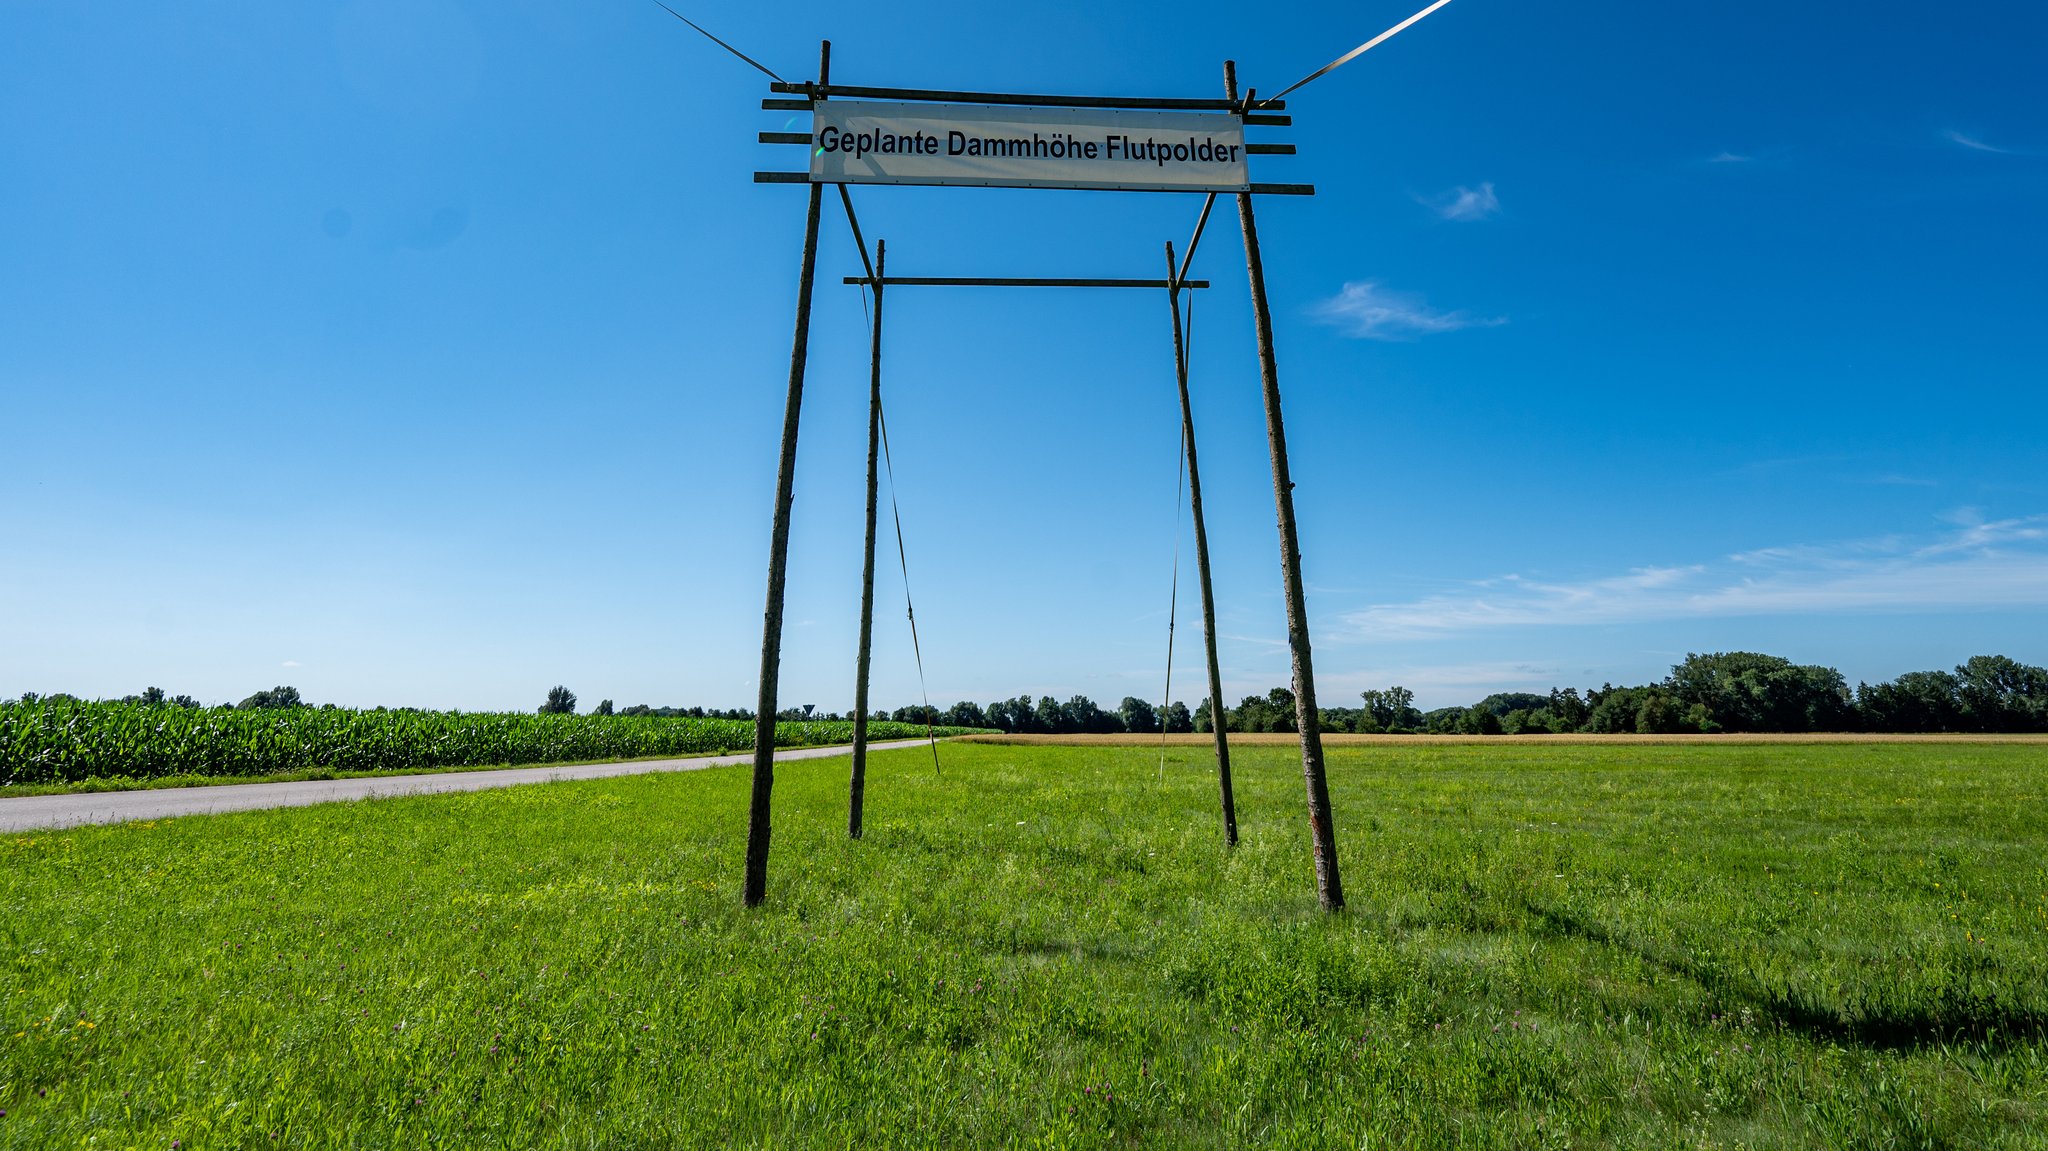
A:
(434, 353)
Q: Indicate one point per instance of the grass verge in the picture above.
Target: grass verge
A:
(1763, 945)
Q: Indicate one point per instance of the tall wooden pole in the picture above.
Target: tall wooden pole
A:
(867, 572)
(1322, 832)
(756, 885)
(1217, 722)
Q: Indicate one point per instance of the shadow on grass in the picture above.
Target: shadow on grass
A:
(1953, 1017)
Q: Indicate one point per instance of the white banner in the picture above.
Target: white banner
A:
(871, 142)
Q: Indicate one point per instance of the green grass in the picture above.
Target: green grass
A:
(1830, 946)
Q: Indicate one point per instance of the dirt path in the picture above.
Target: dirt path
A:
(33, 812)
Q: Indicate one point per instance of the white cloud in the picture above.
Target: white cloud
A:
(1729, 158)
(1368, 311)
(1464, 204)
(290, 663)
(1977, 565)
(1972, 143)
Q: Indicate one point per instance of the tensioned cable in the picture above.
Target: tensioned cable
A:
(1187, 346)
(853, 221)
(881, 418)
(722, 44)
(1355, 53)
(896, 513)
(903, 558)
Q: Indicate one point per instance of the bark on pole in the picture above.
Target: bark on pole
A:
(1187, 427)
(756, 884)
(858, 790)
(1322, 831)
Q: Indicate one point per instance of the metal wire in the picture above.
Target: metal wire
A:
(1187, 347)
(902, 555)
(1355, 53)
(722, 44)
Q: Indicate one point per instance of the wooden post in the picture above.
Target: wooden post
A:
(756, 884)
(867, 571)
(1322, 832)
(1217, 722)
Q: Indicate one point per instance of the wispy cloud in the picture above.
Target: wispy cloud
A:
(1367, 310)
(1464, 204)
(1729, 158)
(290, 663)
(1973, 143)
(1978, 564)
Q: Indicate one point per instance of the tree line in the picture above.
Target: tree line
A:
(1743, 691)
(1735, 691)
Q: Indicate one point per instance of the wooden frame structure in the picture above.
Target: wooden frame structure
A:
(1329, 886)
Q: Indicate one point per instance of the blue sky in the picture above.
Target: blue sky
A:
(434, 353)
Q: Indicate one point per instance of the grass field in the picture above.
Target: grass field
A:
(1619, 945)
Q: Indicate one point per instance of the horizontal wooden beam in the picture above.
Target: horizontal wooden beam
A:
(1018, 282)
(785, 105)
(1258, 121)
(1044, 101)
(806, 138)
(1283, 189)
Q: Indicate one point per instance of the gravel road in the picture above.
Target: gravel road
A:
(37, 812)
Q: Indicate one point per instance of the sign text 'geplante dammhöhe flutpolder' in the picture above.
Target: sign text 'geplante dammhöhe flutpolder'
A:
(871, 142)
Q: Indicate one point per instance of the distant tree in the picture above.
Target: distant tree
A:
(1659, 715)
(1281, 700)
(1002, 717)
(1203, 721)
(917, 713)
(561, 701)
(1613, 709)
(276, 697)
(1478, 720)
(1527, 721)
(1047, 717)
(1391, 707)
(2001, 694)
(1083, 715)
(604, 707)
(152, 697)
(184, 701)
(1442, 720)
(1918, 701)
(1748, 691)
(1273, 711)
(1501, 703)
(1567, 711)
(966, 713)
(1138, 715)
(1178, 719)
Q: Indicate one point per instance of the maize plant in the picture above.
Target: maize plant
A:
(62, 740)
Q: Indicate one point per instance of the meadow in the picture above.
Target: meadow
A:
(60, 743)
(1755, 945)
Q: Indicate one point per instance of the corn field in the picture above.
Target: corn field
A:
(64, 741)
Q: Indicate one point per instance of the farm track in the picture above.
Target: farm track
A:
(41, 812)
